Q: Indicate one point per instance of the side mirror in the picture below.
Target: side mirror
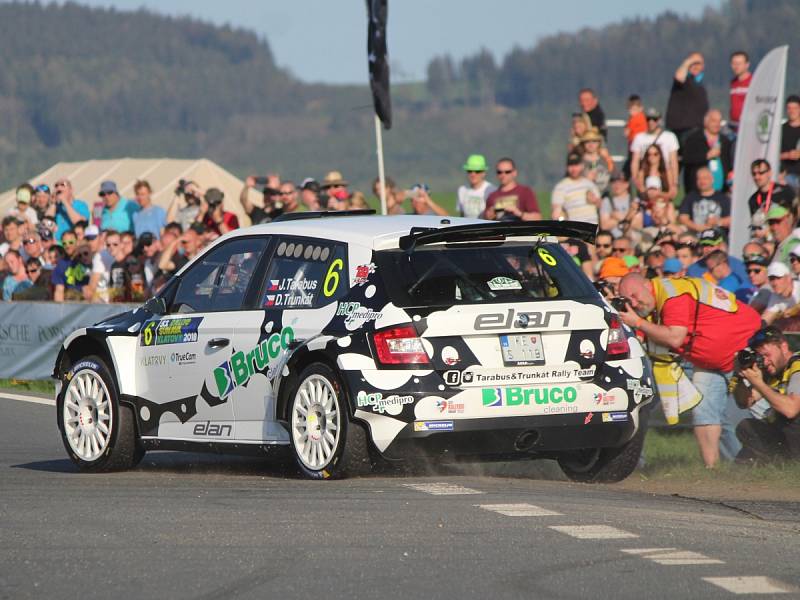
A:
(155, 306)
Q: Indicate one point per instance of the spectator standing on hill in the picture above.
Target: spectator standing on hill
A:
(665, 140)
(740, 66)
(785, 292)
(580, 125)
(790, 144)
(423, 204)
(688, 99)
(118, 212)
(69, 210)
(394, 196)
(618, 211)
(17, 279)
(587, 98)
(575, 197)
(597, 163)
(214, 216)
(150, 217)
(655, 179)
(12, 235)
(705, 208)
(190, 242)
(472, 197)
(511, 201)
(707, 148)
(768, 193)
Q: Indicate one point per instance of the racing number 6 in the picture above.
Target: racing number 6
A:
(547, 258)
(331, 283)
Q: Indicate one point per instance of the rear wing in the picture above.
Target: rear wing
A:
(420, 236)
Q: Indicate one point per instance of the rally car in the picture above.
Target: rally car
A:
(353, 338)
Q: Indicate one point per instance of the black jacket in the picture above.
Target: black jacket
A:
(695, 147)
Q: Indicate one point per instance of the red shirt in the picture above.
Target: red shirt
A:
(228, 218)
(738, 92)
(720, 334)
(522, 196)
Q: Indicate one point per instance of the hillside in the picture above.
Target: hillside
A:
(81, 83)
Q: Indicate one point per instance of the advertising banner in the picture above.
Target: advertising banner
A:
(31, 333)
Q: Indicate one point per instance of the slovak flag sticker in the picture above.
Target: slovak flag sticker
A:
(273, 284)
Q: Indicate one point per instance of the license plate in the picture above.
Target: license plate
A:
(522, 349)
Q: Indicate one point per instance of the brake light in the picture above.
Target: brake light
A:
(617, 341)
(400, 346)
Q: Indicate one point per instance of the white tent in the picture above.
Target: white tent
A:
(163, 175)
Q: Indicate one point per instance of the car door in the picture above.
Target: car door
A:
(182, 352)
(298, 298)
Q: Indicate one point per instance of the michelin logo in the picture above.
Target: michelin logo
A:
(433, 425)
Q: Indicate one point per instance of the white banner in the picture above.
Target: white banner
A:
(31, 333)
(759, 137)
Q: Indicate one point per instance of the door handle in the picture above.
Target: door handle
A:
(218, 342)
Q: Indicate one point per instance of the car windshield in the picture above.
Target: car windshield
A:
(475, 273)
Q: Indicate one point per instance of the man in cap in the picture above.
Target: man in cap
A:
(662, 138)
(782, 226)
(785, 292)
(150, 218)
(309, 194)
(758, 292)
(611, 271)
(511, 201)
(43, 202)
(22, 210)
(69, 210)
(118, 211)
(335, 187)
(705, 326)
(213, 215)
(673, 268)
(575, 197)
(472, 197)
(775, 432)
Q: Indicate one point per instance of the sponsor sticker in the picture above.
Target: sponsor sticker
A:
(519, 376)
(450, 356)
(209, 429)
(381, 404)
(449, 406)
(363, 272)
(586, 349)
(433, 426)
(499, 284)
(354, 312)
(520, 396)
(603, 398)
(615, 417)
(289, 299)
(183, 358)
(171, 330)
(156, 360)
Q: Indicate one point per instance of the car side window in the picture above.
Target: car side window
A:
(305, 273)
(219, 280)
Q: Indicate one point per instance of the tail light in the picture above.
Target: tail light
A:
(617, 341)
(400, 346)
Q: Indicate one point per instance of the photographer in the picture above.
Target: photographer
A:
(773, 374)
(705, 326)
(214, 216)
(185, 204)
(272, 206)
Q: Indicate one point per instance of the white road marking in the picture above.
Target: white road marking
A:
(593, 532)
(442, 489)
(519, 510)
(672, 556)
(32, 399)
(751, 585)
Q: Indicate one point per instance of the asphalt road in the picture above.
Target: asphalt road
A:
(203, 526)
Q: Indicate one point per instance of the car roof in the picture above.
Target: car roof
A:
(374, 231)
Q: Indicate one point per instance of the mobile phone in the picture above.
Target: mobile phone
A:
(260, 180)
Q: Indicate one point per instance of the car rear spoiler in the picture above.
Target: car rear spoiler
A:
(420, 236)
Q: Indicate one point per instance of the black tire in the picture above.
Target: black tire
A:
(605, 465)
(123, 449)
(350, 453)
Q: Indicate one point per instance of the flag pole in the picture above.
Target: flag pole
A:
(381, 175)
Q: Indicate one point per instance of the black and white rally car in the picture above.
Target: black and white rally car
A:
(354, 338)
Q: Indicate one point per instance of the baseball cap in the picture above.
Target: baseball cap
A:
(108, 187)
(43, 187)
(309, 183)
(711, 237)
(24, 195)
(613, 267)
(652, 113)
(777, 212)
(778, 269)
(672, 265)
(214, 196)
(475, 162)
(756, 259)
(91, 232)
(574, 159)
(630, 260)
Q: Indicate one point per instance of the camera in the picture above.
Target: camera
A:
(746, 358)
(181, 189)
(620, 303)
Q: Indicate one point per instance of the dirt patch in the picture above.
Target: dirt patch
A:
(713, 489)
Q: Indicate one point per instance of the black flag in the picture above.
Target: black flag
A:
(378, 64)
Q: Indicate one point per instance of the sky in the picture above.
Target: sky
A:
(325, 40)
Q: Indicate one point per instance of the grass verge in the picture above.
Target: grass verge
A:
(39, 386)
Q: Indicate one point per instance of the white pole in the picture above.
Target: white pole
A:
(381, 175)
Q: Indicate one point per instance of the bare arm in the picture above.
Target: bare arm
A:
(172, 211)
(671, 336)
(786, 404)
(58, 293)
(165, 261)
(683, 70)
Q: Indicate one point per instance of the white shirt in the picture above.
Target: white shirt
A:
(472, 201)
(778, 303)
(667, 142)
(570, 195)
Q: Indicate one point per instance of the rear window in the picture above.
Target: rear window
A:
(480, 273)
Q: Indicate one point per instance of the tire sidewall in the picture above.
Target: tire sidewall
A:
(333, 469)
(96, 365)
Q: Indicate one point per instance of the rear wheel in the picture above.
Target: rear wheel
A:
(605, 465)
(97, 431)
(326, 444)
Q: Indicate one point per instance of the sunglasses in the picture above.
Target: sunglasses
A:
(603, 245)
(285, 193)
(619, 249)
(69, 242)
(652, 118)
(763, 172)
(754, 271)
(31, 241)
(475, 172)
(502, 172)
(32, 270)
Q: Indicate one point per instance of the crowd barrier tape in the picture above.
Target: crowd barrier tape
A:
(31, 333)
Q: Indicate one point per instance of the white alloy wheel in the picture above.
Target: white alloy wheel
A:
(316, 422)
(87, 415)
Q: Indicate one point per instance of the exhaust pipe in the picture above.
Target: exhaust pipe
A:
(526, 440)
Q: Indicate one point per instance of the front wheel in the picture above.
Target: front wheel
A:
(98, 432)
(605, 465)
(326, 444)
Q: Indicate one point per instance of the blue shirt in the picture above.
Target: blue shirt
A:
(152, 219)
(62, 218)
(737, 266)
(11, 285)
(121, 218)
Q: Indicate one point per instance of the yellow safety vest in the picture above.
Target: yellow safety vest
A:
(699, 289)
